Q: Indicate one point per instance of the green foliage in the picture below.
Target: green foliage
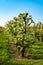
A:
(39, 31)
(19, 38)
(36, 51)
(1, 29)
(18, 32)
(3, 47)
(25, 62)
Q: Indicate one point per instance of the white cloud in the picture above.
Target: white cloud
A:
(3, 20)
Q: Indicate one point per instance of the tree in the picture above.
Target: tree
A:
(19, 33)
(39, 31)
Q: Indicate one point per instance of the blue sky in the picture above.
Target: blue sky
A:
(11, 8)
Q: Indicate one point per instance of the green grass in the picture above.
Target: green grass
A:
(25, 62)
(22, 62)
(37, 50)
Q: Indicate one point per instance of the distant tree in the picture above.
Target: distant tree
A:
(1, 29)
(39, 31)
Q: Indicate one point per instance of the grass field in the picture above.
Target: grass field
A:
(25, 62)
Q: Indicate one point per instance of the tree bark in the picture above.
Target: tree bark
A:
(23, 51)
